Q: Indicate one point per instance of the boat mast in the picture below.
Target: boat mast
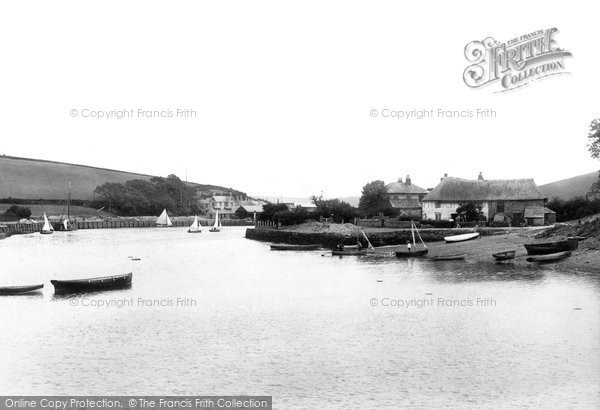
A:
(69, 202)
(412, 231)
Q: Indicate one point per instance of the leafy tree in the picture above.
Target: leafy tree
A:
(16, 211)
(374, 199)
(469, 211)
(594, 149)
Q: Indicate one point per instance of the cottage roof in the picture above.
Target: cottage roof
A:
(404, 188)
(220, 198)
(457, 189)
(252, 208)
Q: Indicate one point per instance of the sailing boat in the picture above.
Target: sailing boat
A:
(195, 227)
(47, 228)
(413, 252)
(217, 226)
(163, 219)
(65, 225)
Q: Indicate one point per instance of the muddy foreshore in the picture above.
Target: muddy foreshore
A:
(492, 240)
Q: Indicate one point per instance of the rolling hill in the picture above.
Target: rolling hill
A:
(570, 187)
(26, 178)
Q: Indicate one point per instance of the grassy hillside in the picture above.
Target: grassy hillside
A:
(25, 178)
(570, 187)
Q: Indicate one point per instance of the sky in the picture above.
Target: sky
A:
(283, 92)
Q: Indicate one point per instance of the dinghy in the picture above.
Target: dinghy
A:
(92, 284)
(546, 248)
(552, 257)
(458, 257)
(47, 228)
(217, 226)
(461, 238)
(19, 290)
(195, 226)
(163, 219)
(284, 247)
(413, 251)
(504, 256)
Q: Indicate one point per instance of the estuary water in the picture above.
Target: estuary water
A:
(214, 313)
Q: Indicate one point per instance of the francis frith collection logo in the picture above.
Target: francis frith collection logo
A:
(515, 63)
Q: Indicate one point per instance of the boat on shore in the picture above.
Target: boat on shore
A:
(546, 248)
(504, 256)
(412, 251)
(92, 284)
(458, 257)
(285, 247)
(164, 220)
(47, 228)
(217, 226)
(552, 257)
(350, 252)
(461, 238)
(195, 226)
(19, 290)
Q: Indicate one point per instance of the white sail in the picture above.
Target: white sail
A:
(163, 219)
(65, 224)
(194, 226)
(47, 227)
(217, 220)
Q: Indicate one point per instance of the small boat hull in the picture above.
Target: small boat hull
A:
(577, 238)
(461, 238)
(459, 257)
(504, 256)
(92, 284)
(295, 247)
(214, 230)
(349, 253)
(46, 232)
(190, 231)
(412, 254)
(552, 257)
(551, 247)
(19, 290)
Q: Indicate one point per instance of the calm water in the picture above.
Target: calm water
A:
(295, 325)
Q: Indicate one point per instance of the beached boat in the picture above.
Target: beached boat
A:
(552, 257)
(163, 219)
(349, 252)
(19, 290)
(47, 228)
(413, 251)
(217, 226)
(504, 256)
(92, 284)
(283, 247)
(546, 248)
(458, 257)
(461, 238)
(195, 226)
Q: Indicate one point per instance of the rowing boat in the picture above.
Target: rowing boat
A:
(461, 238)
(458, 257)
(546, 248)
(504, 256)
(92, 284)
(552, 257)
(19, 290)
(294, 247)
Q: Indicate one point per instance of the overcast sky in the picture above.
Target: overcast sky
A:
(283, 91)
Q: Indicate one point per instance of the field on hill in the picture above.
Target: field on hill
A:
(57, 210)
(570, 187)
(39, 179)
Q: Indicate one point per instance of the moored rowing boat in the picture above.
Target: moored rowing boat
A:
(19, 290)
(92, 284)
(552, 257)
(284, 247)
(461, 238)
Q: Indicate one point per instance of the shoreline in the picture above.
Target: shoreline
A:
(492, 240)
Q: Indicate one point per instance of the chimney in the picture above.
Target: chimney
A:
(408, 181)
(480, 177)
(445, 176)
(400, 180)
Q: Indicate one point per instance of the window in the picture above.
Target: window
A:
(500, 206)
(438, 216)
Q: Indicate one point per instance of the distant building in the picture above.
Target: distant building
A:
(406, 197)
(248, 211)
(519, 201)
(309, 206)
(225, 204)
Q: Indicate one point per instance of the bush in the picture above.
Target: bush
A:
(17, 211)
(574, 208)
